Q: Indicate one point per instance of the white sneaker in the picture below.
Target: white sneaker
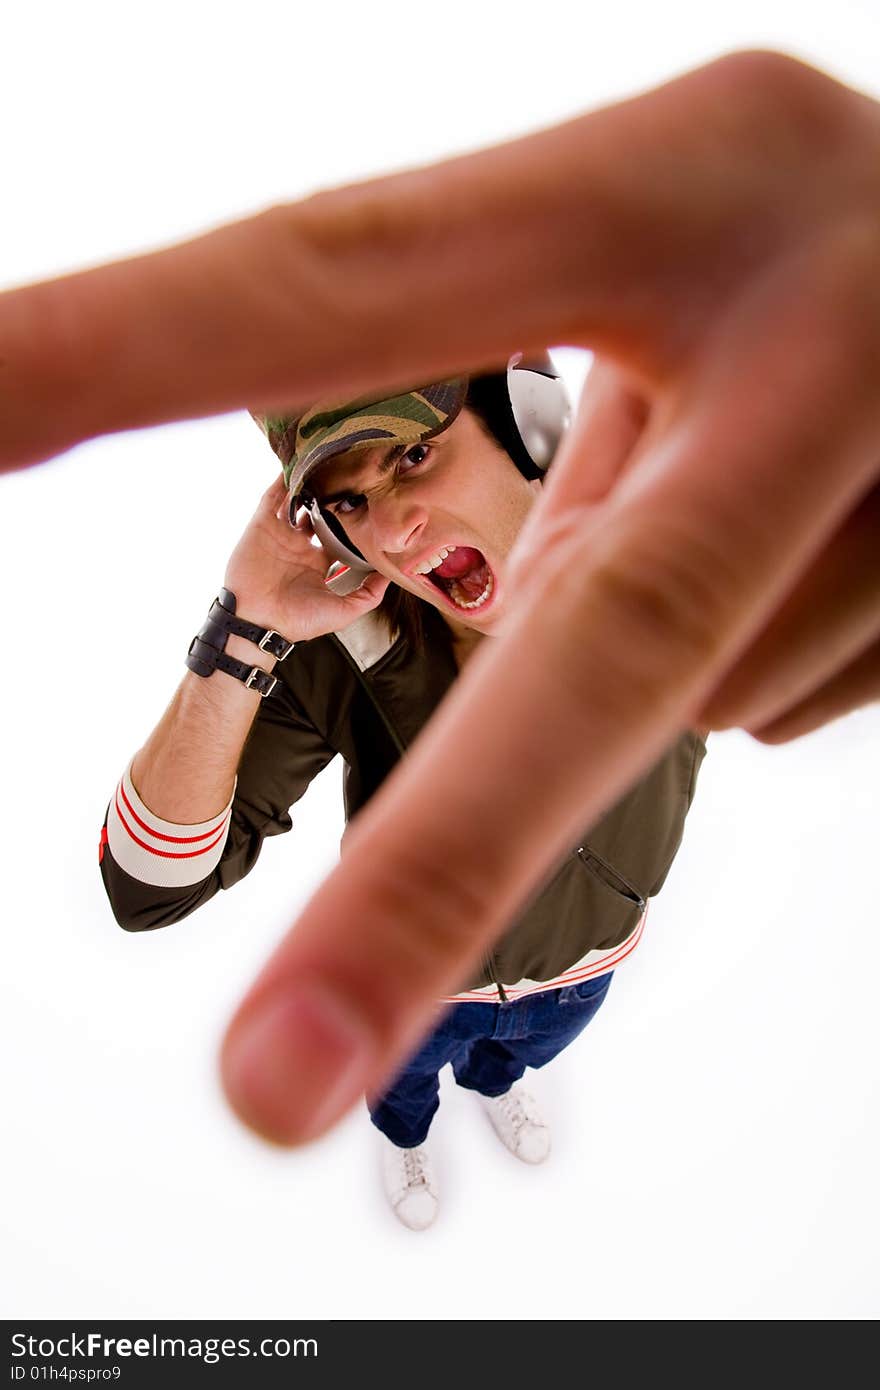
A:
(519, 1123)
(410, 1184)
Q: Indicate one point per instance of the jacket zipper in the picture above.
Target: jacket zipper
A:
(611, 877)
(491, 966)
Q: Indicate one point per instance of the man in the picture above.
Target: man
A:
(425, 494)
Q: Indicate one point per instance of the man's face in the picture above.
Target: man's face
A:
(459, 489)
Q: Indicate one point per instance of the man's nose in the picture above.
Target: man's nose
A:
(397, 523)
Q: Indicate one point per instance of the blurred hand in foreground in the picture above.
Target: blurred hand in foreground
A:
(706, 548)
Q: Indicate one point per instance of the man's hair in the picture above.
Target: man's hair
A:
(488, 399)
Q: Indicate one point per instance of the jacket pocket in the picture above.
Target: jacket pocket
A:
(611, 877)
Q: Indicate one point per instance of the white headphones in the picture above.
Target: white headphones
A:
(540, 414)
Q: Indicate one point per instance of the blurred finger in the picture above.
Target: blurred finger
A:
(610, 418)
(831, 617)
(853, 688)
(279, 309)
(609, 421)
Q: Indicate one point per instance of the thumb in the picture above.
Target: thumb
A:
(603, 438)
(370, 593)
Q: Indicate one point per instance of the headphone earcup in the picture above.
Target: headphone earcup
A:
(540, 405)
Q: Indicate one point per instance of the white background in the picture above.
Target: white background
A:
(715, 1130)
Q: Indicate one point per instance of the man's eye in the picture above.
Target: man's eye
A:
(346, 505)
(422, 449)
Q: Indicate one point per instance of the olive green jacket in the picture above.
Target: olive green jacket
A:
(359, 694)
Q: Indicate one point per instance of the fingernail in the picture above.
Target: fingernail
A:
(296, 1063)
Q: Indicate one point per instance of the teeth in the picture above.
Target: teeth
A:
(436, 560)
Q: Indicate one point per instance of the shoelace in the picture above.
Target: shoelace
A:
(414, 1167)
(518, 1110)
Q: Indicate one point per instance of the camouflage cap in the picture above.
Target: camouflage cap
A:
(303, 442)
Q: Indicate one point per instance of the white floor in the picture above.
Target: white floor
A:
(716, 1133)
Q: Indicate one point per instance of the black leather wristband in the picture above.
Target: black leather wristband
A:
(204, 660)
(207, 650)
(266, 638)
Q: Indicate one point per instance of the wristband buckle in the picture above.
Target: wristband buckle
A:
(261, 681)
(276, 645)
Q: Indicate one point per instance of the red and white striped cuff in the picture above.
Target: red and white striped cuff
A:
(157, 851)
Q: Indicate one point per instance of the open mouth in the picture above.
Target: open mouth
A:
(465, 578)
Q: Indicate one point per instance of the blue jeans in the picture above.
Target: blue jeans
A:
(489, 1046)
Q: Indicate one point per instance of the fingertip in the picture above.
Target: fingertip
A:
(779, 732)
(294, 1061)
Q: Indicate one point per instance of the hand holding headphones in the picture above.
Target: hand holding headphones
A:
(278, 576)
